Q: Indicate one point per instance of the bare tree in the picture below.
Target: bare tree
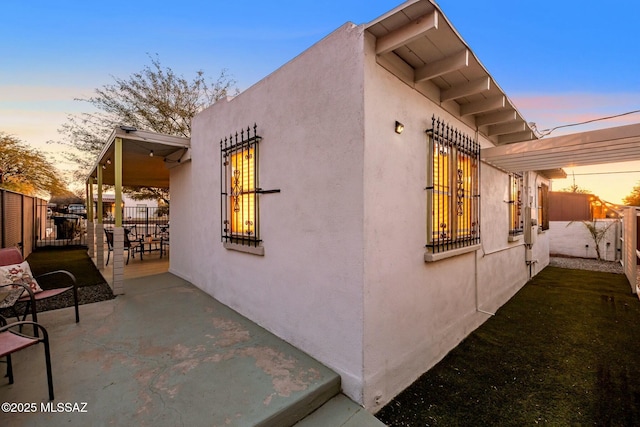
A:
(154, 99)
(26, 170)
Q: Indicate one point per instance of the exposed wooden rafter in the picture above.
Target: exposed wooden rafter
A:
(466, 89)
(526, 135)
(443, 66)
(410, 32)
(497, 117)
(505, 128)
(483, 106)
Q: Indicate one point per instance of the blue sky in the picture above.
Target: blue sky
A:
(559, 61)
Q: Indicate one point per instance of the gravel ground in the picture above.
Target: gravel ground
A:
(586, 264)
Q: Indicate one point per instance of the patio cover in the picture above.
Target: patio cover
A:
(138, 167)
(611, 145)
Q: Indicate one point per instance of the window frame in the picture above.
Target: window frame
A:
(239, 154)
(543, 207)
(516, 214)
(453, 192)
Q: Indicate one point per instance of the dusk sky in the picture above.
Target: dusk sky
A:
(560, 62)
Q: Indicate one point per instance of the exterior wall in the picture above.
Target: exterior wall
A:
(415, 312)
(573, 239)
(307, 288)
(183, 226)
(343, 275)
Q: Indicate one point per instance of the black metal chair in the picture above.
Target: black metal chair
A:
(12, 341)
(130, 246)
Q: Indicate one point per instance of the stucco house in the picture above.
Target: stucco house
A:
(372, 202)
(373, 248)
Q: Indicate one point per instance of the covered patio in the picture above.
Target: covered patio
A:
(134, 158)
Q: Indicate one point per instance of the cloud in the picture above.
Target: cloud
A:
(551, 110)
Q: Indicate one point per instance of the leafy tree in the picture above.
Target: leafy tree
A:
(633, 199)
(154, 99)
(26, 170)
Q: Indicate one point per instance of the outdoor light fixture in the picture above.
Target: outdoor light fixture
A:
(128, 129)
(151, 153)
(399, 127)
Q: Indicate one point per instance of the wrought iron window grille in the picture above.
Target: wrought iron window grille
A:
(516, 219)
(239, 172)
(453, 188)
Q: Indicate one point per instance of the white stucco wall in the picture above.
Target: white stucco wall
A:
(343, 276)
(574, 239)
(307, 288)
(183, 206)
(415, 312)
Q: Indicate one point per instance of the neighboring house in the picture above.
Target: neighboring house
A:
(373, 248)
(131, 206)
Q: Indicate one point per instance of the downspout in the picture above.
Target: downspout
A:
(475, 258)
(478, 309)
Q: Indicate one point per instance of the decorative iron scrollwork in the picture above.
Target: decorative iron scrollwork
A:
(236, 189)
(460, 193)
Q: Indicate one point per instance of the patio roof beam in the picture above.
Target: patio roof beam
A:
(550, 160)
(410, 32)
(444, 66)
(470, 88)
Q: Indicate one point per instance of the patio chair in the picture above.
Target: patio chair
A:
(15, 269)
(12, 341)
(131, 246)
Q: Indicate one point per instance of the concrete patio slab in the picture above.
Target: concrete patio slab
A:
(164, 354)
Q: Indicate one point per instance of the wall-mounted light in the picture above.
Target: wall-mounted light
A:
(128, 129)
(109, 161)
(151, 153)
(399, 127)
(104, 166)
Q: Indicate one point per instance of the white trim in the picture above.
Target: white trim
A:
(432, 257)
(254, 250)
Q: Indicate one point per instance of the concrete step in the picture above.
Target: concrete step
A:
(343, 412)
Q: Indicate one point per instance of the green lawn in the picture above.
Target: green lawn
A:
(565, 350)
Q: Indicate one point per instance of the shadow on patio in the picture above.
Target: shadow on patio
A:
(563, 351)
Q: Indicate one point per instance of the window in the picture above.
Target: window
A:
(516, 221)
(239, 188)
(453, 198)
(543, 207)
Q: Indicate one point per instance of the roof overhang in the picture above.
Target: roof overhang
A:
(419, 45)
(611, 145)
(139, 168)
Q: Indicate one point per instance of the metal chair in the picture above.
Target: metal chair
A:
(131, 246)
(12, 341)
(13, 256)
